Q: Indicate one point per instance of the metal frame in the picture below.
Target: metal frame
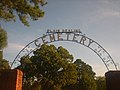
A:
(60, 36)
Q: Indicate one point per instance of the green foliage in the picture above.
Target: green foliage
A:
(1, 55)
(3, 43)
(3, 63)
(51, 66)
(3, 38)
(86, 77)
(101, 83)
(25, 9)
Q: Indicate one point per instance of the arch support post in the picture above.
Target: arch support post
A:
(112, 80)
(11, 79)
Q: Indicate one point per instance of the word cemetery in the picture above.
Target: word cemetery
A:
(64, 35)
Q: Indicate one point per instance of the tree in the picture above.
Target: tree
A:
(51, 66)
(86, 76)
(24, 9)
(101, 83)
(3, 63)
(3, 43)
(3, 39)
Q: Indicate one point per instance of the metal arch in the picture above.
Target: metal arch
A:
(105, 61)
(75, 37)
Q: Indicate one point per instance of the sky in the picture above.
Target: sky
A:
(97, 19)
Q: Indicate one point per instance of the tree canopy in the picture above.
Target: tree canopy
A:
(86, 76)
(101, 83)
(24, 9)
(51, 68)
(53, 64)
(3, 63)
(3, 38)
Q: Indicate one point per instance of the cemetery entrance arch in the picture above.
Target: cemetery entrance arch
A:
(73, 35)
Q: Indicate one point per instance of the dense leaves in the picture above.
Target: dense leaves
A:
(86, 76)
(25, 9)
(101, 83)
(53, 65)
(51, 68)
(3, 63)
(3, 43)
(3, 39)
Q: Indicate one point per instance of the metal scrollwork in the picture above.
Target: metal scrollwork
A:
(67, 36)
